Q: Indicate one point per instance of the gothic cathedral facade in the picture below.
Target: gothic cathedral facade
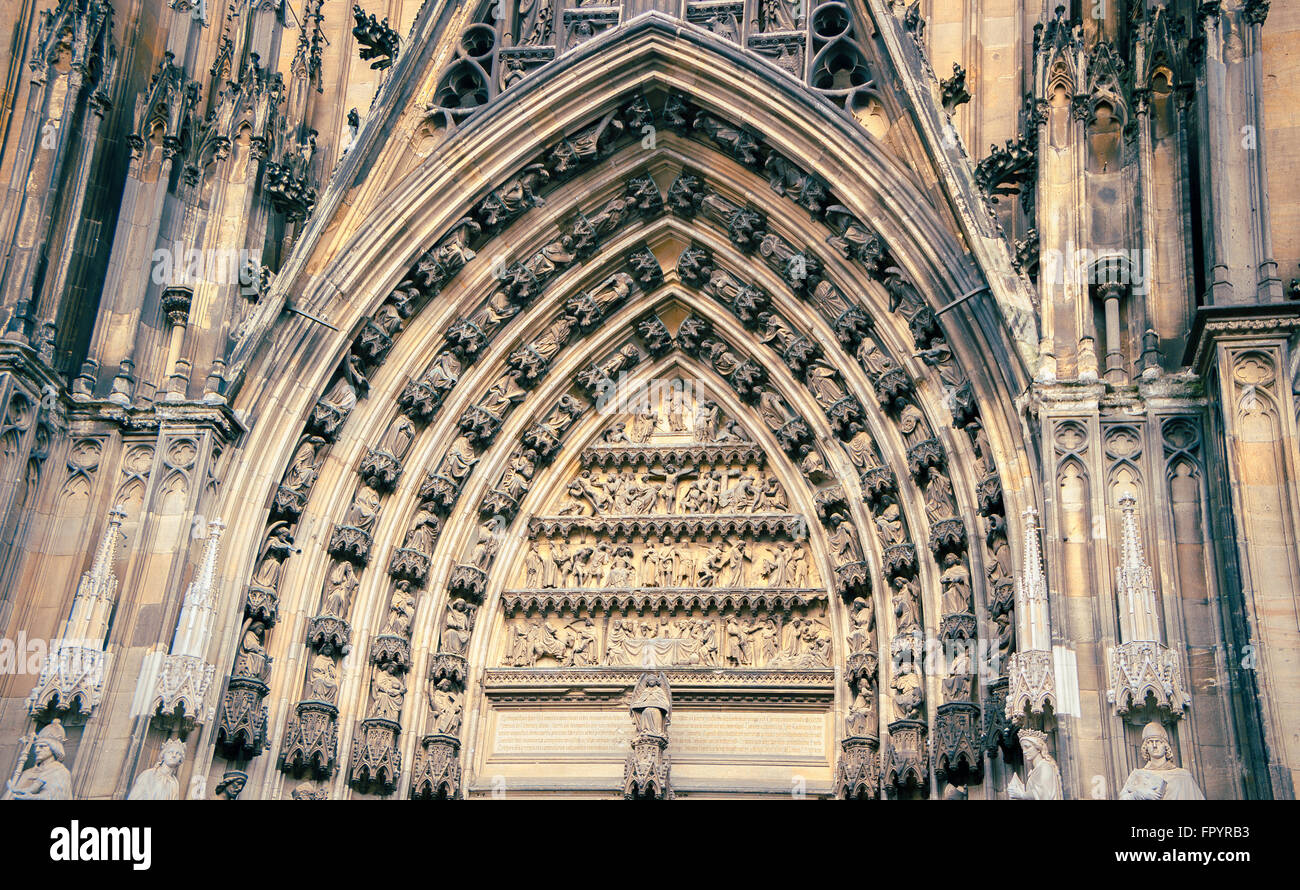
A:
(648, 399)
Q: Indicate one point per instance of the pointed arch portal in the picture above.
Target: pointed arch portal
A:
(639, 372)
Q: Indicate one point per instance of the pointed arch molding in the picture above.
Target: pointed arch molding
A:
(636, 226)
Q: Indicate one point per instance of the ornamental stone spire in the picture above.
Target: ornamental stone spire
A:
(181, 691)
(1032, 687)
(1145, 676)
(72, 677)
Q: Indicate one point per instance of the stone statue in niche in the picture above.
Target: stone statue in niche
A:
(445, 705)
(387, 692)
(907, 604)
(822, 383)
(518, 474)
(873, 360)
(862, 451)
(652, 704)
(401, 610)
(999, 569)
(1159, 777)
(955, 580)
(159, 782)
(843, 543)
(251, 659)
(47, 778)
(304, 466)
(307, 791)
(939, 504)
(957, 684)
(423, 532)
(323, 684)
(444, 372)
(456, 628)
(485, 549)
(1006, 633)
(889, 525)
(813, 467)
(364, 509)
(862, 713)
(502, 395)
(336, 404)
(911, 423)
(279, 543)
(496, 311)
(460, 459)
(862, 639)
(940, 358)
(340, 584)
(397, 441)
(908, 695)
(1042, 775)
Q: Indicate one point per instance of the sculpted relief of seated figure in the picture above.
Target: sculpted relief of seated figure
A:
(670, 490)
(731, 563)
(788, 642)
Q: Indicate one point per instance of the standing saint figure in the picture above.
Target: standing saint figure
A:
(1042, 775)
(652, 704)
(1159, 778)
(47, 778)
(159, 782)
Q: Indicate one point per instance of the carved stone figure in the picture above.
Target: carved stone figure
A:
(955, 581)
(324, 682)
(159, 782)
(401, 610)
(444, 703)
(908, 694)
(459, 460)
(456, 630)
(652, 704)
(862, 638)
(231, 785)
(843, 542)
(251, 660)
(47, 778)
(1042, 775)
(340, 584)
(1159, 777)
(957, 684)
(387, 692)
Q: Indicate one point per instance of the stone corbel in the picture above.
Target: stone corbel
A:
(1031, 688)
(71, 680)
(436, 772)
(181, 690)
(1143, 671)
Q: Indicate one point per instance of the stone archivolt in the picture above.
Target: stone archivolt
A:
(311, 734)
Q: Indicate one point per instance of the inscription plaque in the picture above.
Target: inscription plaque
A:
(696, 733)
